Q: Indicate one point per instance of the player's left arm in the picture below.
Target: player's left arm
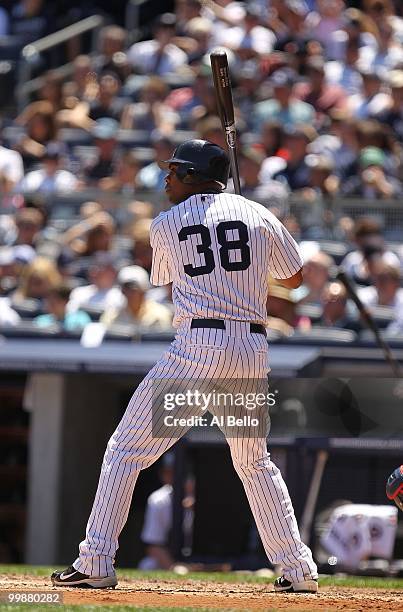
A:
(285, 262)
(293, 282)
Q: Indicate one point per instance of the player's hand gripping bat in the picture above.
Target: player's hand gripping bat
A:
(222, 85)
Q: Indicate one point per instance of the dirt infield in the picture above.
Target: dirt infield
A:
(213, 595)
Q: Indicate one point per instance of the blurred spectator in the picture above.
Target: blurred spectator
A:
(368, 238)
(296, 174)
(81, 86)
(160, 55)
(345, 73)
(151, 176)
(138, 309)
(249, 39)
(29, 20)
(246, 92)
(8, 316)
(268, 192)
(372, 101)
(317, 270)
(207, 109)
(36, 280)
(317, 92)
(107, 102)
(389, 53)
(28, 224)
(184, 99)
(104, 133)
(51, 177)
(158, 521)
(359, 27)
(287, 18)
(12, 263)
(199, 33)
(386, 289)
(325, 24)
(185, 11)
(151, 112)
(393, 115)
(52, 90)
(102, 293)
(142, 251)
(91, 235)
(11, 169)
(112, 57)
(39, 121)
(210, 129)
(271, 138)
(334, 300)
(372, 181)
(322, 182)
(124, 178)
(55, 307)
(283, 106)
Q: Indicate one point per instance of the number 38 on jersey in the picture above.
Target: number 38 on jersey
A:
(239, 247)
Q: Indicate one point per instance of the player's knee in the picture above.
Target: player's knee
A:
(246, 464)
(121, 452)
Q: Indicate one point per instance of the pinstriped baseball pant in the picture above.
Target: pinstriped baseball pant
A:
(198, 354)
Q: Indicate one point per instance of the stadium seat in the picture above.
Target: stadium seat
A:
(27, 309)
(29, 329)
(125, 333)
(312, 311)
(322, 336)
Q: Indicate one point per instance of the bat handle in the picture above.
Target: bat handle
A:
(230, 135)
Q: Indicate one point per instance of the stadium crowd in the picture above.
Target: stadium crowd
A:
(318, 90)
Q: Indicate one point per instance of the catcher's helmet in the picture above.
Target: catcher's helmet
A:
(394, 487)
(199, 161)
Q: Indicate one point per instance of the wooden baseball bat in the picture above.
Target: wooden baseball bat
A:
(222, 85)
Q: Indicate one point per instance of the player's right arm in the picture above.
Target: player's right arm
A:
(161, 269)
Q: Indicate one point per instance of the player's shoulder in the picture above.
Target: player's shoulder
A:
(159, 221)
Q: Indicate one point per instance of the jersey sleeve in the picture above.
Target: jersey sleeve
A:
(285, 257)
(161, 273)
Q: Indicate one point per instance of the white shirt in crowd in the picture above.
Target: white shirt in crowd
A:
(354, 264)
(369, 297)
(157, 522)
(11, 166)
(143, 58)
(90, 295)
(8, 316)
(38, 180)
(259, 39)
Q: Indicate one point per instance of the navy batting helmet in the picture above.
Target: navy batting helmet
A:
(394, 487)
(199, 161)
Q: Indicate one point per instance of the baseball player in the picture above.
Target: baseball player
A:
(218, 251)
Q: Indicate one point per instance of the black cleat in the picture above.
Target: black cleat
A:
(71, 577)
(282, 585)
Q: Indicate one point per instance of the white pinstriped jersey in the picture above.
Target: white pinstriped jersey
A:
(218, 250)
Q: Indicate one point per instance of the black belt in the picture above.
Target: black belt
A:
(255, 328)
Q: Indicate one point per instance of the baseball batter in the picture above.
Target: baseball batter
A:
(218, 251)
